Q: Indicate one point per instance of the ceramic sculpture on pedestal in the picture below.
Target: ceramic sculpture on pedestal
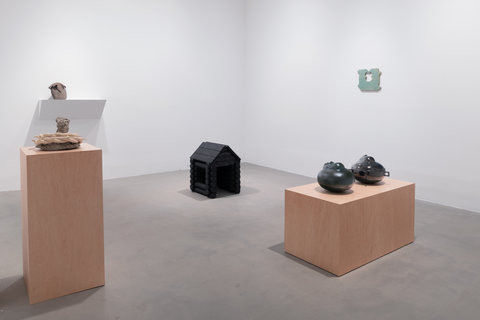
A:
(62, 140)
(62, 124)
(58, 91)
(368, 171)
(334, 177)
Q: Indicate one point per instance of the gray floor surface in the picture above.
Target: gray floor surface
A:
(173, 254)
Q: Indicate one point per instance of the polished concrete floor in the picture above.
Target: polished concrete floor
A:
(171, 254)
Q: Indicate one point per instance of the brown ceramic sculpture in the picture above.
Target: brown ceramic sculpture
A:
(62, 140)
(58, 91)
(62, 124)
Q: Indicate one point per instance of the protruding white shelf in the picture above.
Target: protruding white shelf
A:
(72, 109)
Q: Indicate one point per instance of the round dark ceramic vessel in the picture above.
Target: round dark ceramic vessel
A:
(368, 171)
(335, 178)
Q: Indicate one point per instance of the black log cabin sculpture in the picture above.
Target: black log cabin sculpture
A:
(214, 166)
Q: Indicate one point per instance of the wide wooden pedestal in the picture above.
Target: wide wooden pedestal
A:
(339, 232)
(62, 221)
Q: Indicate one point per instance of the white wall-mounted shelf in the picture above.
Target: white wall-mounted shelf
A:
(71, 109)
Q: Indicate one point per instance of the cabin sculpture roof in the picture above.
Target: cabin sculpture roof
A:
(208, 152)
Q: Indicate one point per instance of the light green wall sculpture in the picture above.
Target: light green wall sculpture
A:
(364, 84)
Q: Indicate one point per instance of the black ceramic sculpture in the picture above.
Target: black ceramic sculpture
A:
(214, 166)
(368, 171)
(334, 177)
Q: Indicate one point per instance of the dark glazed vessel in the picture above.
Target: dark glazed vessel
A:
(368, 171)
(334, 177)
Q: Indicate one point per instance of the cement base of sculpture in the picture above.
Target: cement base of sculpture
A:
(58, 146)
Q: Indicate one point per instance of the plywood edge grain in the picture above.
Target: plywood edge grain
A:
(24, 217)
(357, 192)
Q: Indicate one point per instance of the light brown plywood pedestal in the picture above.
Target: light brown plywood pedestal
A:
(341, 232)
(62, 221)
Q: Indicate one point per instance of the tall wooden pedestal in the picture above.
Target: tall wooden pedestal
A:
(341, 232)
(62, 221)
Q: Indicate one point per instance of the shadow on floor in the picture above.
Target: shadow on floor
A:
(279, 248)
(220, 194)
(14, 300)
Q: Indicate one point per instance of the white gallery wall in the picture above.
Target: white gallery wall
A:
(304, 108)
(275, 79)
(170, 70)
